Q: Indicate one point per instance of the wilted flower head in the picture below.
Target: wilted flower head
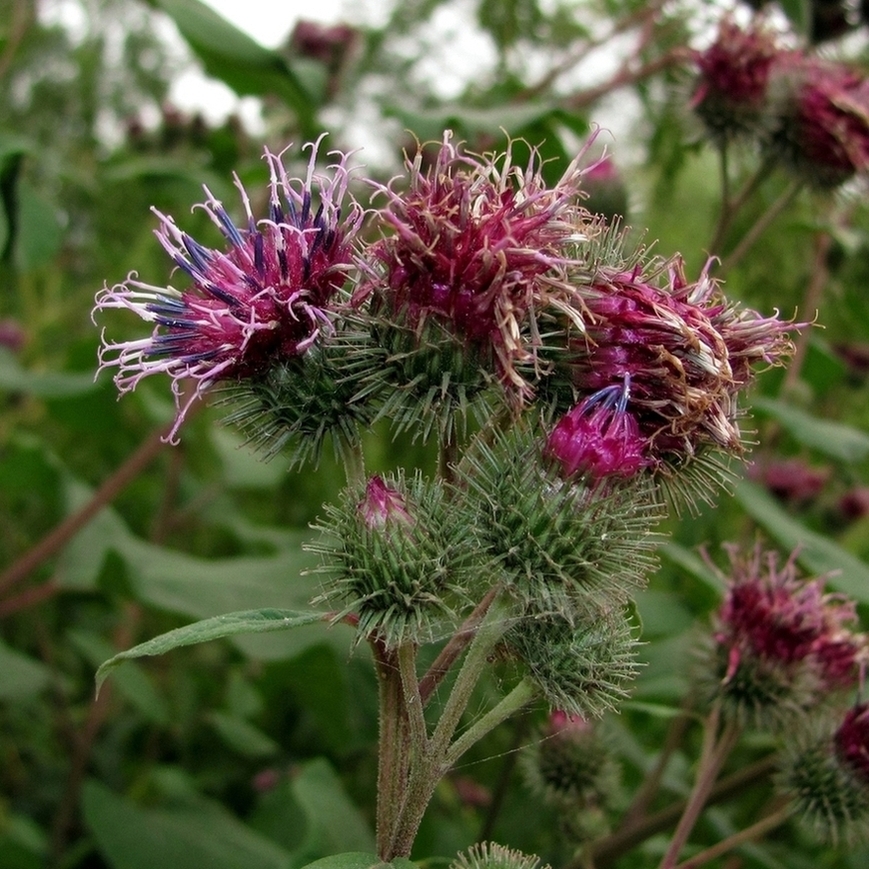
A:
(734, 71)
(792, 480)
(264, 300)
(476, 243)
(824, 127)
(772, 618)
(685, 350)
(599, 437)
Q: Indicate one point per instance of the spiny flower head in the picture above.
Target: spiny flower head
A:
(599, 437)
(852, 741)
(781, 643)
(476, 242)
(685, 350)
(824, 124)
(734, 72)
(263, 300)
(825, 773)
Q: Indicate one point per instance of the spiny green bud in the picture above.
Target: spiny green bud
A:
(571, 765)
(825, 776)
(558, 545)
(584, 666)
(424, 379)
(489, 855)
(395, 557)
(297, 404)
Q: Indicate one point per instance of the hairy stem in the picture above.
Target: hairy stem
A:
(715, 751)
(755, 831)
(454, 648)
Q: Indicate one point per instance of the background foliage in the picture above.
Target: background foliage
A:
(259, 752)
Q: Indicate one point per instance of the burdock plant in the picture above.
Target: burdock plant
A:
(568, 384)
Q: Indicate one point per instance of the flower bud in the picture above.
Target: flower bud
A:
(489, 855)
(555, 545)
(383, 504)
(827, 777)
(599, 437)
(396, 558)
(582, 667)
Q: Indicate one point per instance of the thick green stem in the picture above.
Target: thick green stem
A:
(520, 696)
(393, 755)
(432, 758)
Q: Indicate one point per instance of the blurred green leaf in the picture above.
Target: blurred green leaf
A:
(246, 622)
(242, 736)
(39, 233)
(47, 384)
(356, 860)
(238, 60)
(322, 797)
(132, 682)
(830, 438)
(21, 676)
(692, 563)
(817, 553)
(201, 836)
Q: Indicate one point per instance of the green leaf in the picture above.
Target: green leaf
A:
(39, 234)
(322, 797)
(817, 553)
(198, 836)
(22, 677)
(353, 860)
(693, 564)
(132, 683)
(248, 621)
(49, 384)
(233, 57)
(242, 736)
(830, 438)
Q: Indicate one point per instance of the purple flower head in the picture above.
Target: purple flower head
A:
(772, 615)
(263, 300)
(599, 437)
(476, 243)
(685, 351)
(734, 72)
(383, 504)
(852, 741)
(825, 122)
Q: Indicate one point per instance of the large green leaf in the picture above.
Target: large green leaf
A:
(238, 60)
(817, 553)
(246, 622)
(830, 438)
(197, 836)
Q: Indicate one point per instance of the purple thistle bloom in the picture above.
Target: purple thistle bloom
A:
(852, 741)
(477, 243)
(687, 352)
(267, 298)
(772, 615)
(731, 91)
(599, 437)
(825, 124)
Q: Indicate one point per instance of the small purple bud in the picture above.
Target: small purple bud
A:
(599, 437)
(383, 504)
